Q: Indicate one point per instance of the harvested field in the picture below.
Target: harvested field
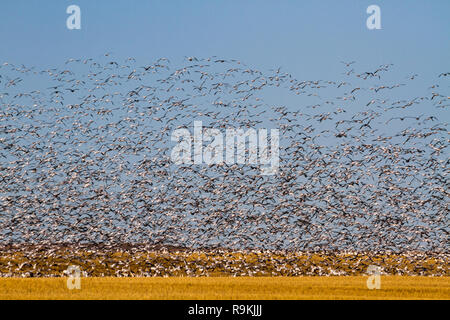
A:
(338, 287)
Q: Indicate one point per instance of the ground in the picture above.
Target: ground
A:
(312, 287)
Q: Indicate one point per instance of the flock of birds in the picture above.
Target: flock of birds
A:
(85, 157)
(145, 260)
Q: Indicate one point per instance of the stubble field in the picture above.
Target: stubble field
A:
(309, 287)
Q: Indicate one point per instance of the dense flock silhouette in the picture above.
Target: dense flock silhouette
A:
(85, 157)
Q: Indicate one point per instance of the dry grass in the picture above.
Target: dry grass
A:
(316, 287)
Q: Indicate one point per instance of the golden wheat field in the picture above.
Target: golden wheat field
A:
(334, 287)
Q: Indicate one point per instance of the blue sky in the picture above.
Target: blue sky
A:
(308, 38)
